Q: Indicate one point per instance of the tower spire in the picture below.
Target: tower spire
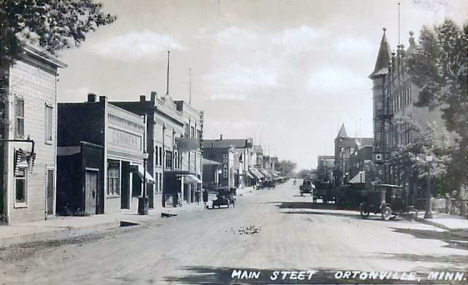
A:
(383, 58)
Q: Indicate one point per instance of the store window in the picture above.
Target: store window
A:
(113, 179)
(21, 192)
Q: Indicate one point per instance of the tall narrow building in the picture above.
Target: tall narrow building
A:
(382, 104)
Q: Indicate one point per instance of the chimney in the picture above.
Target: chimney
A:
(220, 137)
(153, 97)
(142, 98)
(102, 98)
(91, 97)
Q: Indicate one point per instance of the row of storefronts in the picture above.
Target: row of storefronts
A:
(236, 163)
(99, 156)
(93, 157)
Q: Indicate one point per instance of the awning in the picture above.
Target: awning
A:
(211, 162)
(190, 179)
(359, 178)
(141, 171)
(264, 172)
(249, 175)
(256, 173)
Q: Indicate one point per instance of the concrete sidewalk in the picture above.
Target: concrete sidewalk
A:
(455, 224)
(61, 227)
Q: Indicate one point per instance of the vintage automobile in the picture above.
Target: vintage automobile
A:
(306, 187)
(323, 190)
(224, 198)
(388, 201)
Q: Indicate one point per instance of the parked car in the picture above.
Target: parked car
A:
(306, 187)
(323, 190)
(388, 201)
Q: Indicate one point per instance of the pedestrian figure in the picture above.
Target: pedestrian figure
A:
(453, 202)
(205, 196)
(448, 203)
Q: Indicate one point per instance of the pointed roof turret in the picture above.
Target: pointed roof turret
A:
(342, 132)
(412, 44)
(383, 58)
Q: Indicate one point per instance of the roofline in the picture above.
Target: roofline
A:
(35, 52)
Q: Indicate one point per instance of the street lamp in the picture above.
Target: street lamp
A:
(143, 201)
(428, 214)
(219, 176)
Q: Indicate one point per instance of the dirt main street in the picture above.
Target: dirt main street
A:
(268, 230)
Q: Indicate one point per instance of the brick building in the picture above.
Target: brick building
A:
(113, 182)
(394, 97)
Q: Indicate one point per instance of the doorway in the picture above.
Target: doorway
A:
(91, 191)
(50, 192)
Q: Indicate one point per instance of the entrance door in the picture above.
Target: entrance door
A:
(91, 191)
(125, 187)
(50, 191)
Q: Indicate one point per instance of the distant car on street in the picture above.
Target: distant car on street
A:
(306, 187)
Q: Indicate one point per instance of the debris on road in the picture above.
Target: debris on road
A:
(250, 230)
(167, 215)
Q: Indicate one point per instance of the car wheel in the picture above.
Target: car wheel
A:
(364, 212)
(386, 213)
(412, 214)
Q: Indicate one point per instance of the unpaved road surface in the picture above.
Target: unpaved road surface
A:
(267, 230)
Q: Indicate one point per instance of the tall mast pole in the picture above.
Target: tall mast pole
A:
(167, 83)
(190, 98)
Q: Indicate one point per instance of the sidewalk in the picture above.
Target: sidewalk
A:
(455, 224)
(73, 226)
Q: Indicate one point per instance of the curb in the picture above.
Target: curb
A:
(458, 232)
(432, 223)
(57, 233)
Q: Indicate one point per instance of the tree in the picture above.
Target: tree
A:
(411, 159)
(51, 24)
(286, 167)
(438, 65)
(304, 173)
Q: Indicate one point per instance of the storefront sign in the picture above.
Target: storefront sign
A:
(225, 165)
(125, 139)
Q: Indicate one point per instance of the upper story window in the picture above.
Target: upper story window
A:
(49, 123)
(19, 117)
(156, 155)
(192, 132)
(186, 131)
(168, 159)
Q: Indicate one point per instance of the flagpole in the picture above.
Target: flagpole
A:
(190, 98)
(167, 77)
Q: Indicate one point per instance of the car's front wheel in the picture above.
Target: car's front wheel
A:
(386, 213)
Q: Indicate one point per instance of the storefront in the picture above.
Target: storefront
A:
(120, 172)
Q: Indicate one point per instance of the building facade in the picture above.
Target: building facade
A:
(345, 149)
(395, 98)
(165, 125)
(28, 145)
(118, 181)
(189, 149)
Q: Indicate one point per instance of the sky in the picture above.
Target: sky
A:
(287, 73)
